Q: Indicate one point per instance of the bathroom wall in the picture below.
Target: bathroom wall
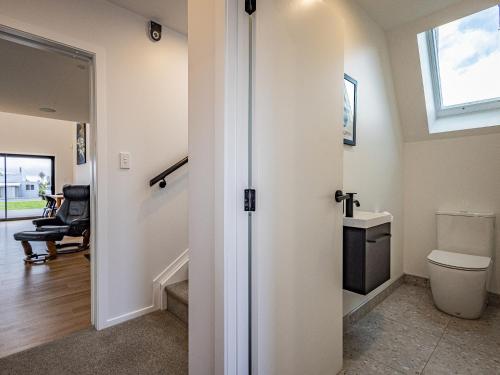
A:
(373, 168)
(448, 174)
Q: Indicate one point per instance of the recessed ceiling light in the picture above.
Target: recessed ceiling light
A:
(47, 109)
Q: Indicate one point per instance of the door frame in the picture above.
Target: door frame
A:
(236, 140)
(219, 255)
(52, 159)
(42, 38)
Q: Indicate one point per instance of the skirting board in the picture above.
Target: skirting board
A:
(130, 315)
(177, 271)
(359, 312)
(171, 274)
(493, 298)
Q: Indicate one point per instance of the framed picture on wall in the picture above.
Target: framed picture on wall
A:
(350, 108)
(81, 143)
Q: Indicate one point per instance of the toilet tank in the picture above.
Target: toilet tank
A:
(466, 232)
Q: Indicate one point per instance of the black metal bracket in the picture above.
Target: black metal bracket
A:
(250, 200)
(250, 6)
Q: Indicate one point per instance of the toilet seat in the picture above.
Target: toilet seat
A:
(459, 261)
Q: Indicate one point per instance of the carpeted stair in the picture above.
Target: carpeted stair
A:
(177, 300)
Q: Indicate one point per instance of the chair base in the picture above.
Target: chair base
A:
(70, 248)
(75, 247)
(39, 258)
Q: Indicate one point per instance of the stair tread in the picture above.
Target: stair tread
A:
(179, 290)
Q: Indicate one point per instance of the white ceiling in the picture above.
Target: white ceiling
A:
(170, 13)
(392, 13)
(387, 13)
(32, 78)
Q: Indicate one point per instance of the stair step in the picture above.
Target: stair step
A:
(177, 299)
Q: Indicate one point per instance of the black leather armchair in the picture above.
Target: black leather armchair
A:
(72, 219)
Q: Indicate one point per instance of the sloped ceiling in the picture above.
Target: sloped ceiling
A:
(33, 78)
(169, 13)
(392, 13)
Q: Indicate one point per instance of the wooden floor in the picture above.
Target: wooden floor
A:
(39, 303)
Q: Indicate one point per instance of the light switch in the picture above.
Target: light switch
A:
(124, 160)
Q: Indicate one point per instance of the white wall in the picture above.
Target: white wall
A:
(40, 136)
(145, 100)
(373, 168)
(448, 174)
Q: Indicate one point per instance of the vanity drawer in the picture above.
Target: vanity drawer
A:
(367, 258)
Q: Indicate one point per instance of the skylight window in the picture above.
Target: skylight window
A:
(465, 63)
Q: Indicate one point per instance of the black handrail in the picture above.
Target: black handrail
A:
(161, 177)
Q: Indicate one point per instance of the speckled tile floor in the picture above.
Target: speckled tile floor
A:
(406, 334)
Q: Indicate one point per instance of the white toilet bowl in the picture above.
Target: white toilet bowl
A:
(458, 282)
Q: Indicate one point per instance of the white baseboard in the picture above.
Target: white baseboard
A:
(177, 271)
(130, 315)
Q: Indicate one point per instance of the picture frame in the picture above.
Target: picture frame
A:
(350, 110)
(81, 143)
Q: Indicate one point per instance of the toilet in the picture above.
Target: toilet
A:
(460, 267)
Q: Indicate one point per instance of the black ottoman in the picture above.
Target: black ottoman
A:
(48, 237)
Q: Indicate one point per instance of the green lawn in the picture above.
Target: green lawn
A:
(23, 205)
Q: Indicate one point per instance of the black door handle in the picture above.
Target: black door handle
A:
(340, 196)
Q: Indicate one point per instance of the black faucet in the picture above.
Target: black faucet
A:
(349, 204)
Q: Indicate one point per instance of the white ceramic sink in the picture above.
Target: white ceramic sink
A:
(366, 219)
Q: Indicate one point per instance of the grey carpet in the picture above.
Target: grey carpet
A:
(156, 343)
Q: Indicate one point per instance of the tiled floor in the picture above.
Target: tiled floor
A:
(406, 334)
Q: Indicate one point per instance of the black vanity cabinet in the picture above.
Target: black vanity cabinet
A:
(367, 257)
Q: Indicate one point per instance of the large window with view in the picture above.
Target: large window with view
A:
(25, 180)
(464, 57)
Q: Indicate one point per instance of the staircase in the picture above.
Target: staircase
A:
(177, 300)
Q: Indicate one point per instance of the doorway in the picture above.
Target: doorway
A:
(46, 174)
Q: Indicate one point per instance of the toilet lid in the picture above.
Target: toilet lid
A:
(459, 261)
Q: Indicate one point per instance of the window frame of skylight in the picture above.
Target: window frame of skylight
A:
(457, 109)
